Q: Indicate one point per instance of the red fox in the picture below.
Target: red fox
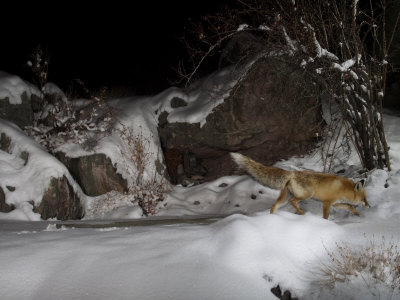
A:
(330, 189)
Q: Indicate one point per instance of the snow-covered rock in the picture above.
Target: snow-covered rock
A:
(269, 112)
(33, 181)
(16, 98)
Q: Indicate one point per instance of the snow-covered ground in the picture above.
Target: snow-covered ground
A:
(241, 256)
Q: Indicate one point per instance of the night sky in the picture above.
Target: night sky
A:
(108, 44)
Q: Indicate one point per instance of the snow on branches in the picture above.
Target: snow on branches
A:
(60, 120)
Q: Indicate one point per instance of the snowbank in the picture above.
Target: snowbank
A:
(237, 258)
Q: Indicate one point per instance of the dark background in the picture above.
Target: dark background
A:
(133, 45)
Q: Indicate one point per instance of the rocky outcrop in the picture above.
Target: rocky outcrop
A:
(271, 114)
(94, 173)
(17, 98)
(20, 114)
(60, 201)
(5, 142)
(4, 207)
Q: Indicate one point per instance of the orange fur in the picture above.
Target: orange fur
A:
(330, 189)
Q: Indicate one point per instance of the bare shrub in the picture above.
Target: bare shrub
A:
(336, 145)
(148, 189)
(39, 65)
(376, 265)
(137, 150)
(59, 120)
(103, 204)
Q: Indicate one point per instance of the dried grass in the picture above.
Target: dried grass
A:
(377, 264)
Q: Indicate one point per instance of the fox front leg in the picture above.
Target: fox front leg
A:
(326, 207)
(347, 207)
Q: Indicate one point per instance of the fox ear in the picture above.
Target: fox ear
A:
(358, 186)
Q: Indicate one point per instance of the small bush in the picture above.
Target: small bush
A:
(100, 206)
(373, 269)
(147, 190)
(39, 66)
(60, 120)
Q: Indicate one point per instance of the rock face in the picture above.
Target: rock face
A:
(94, 173)
(19, 100)
(20, 113)
(5, 142)
(271, 114)
(60, 201)
(4, 207)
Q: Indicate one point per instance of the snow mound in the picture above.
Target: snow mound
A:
(12, 87)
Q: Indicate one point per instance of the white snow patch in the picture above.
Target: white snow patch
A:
(242, 27)
(12, 87)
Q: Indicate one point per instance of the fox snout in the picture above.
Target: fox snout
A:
(365, 203)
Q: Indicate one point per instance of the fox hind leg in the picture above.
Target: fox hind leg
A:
(280, 200)
(294, 201)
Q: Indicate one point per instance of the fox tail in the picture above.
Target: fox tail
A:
(271, 177)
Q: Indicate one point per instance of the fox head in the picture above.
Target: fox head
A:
(360, 194)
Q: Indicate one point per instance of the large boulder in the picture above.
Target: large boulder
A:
(4, 207)
(60, 201)
(271, 114)
(95, 173)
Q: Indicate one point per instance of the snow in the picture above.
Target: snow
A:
(12, 87)
(202, 97)
(291, 43)
(346, 65)
(235, 258)
(242, 27)
(242, 255)
(264, 28)
(320, 50)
